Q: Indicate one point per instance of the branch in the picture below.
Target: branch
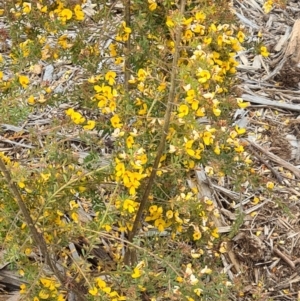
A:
(161, 147)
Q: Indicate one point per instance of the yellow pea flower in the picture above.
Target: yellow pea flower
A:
(204, 76)
(77, 118)
(239, 130)
(115, 121)
(110, 77)
(26, 7)
(93, 291)
(43, 294)
(129, 141)
(241, 37)
(31, 100)
(65, 14)
(183, 110)
(136, 273)
(24, 81)
(207, 138)
(79, 14)
(270, 185)
(90, 125)
(169, 22)
(152, 5)
(264, 51)
(197, 235)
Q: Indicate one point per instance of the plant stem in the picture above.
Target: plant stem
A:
(161, 147)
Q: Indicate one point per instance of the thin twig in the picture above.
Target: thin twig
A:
(274, 158)
(276, 174)
(284, 258)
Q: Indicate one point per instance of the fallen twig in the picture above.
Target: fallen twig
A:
(272, 103)
(276, 159)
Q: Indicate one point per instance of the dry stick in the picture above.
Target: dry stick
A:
(274, 158)
(284, 258)
(162, 142)
(37, 237)
(276, 174)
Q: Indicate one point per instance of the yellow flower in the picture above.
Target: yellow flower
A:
(31, 100)
(75, 217)
(21, 184)
(119, 60)
(183, 110)
(215, 233)
(268, 6)
(136, 273)
(131, 180)
(152, 5)
(212, 28)
(206, 270)
(188, 35)
(200, 16)
(26, 7)
(125, 28)
(242, 104)
(216, 111)
(129, 141)
(110, 77)
(198, 291)
(43, 294)
(207, 138)
(23, 288)
(90, 125)
(204, 76)
(207, 40)
(241, 37)
(93, 291)
(77, 118)
(79, 14)
(217, 150)
(197, 235)
(143, 111)
(70, 111)
(120, 169)
(169, 22)
(270, 185)
(142, 75)
(160, 224)
(65, 14)
(60, 297)
(169, 214)
(264, 51)
(24, 81)
(49, 283)
(42, 8)
(239, 148)
(115, 121)
(130, 205)
(101, 283)
(239, 130)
